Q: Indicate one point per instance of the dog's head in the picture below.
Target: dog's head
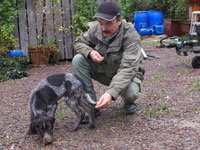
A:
(43, 125)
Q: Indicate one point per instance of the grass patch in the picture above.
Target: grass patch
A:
(156, 42)
(151, 42)
(118, 118)
(196, 85)
(183, 71)
(3, 143)
(160, 108)
(189, 92)
(60, 115)
(158, 77)
(185, 62)
(62, 106)
(152, 112)
(23, 117)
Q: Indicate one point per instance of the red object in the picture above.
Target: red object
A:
(176, 27)
(193, 1)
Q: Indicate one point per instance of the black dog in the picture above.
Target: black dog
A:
(44, 98)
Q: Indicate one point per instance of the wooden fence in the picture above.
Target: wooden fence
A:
(42, 21)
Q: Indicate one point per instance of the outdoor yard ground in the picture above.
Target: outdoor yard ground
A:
(167, 117)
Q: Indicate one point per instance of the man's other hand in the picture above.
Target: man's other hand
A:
(96, 57)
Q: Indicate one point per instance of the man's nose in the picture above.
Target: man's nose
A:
(103, 27)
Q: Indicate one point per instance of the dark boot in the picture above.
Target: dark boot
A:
(86, 118)
(130, 108)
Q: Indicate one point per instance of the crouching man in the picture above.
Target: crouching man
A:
(110, 53)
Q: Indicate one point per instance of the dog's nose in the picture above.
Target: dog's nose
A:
(47, 139)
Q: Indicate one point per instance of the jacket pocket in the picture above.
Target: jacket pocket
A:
(115, 54)
(115, 58)
(101, 49)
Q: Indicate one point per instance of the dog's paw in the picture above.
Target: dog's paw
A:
(72, 128)
(92, 126)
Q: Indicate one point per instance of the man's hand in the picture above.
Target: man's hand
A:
(96, 57)
(104, 101)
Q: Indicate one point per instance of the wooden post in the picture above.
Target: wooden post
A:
(49, 26)
(39, 20)
(23, 30)
(31, 22)
(59, 28)
(67, 23)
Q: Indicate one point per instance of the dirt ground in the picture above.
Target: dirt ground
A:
(167, 116)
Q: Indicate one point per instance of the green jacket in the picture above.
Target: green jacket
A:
(122, 58)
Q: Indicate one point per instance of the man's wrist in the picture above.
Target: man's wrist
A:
(112, 98)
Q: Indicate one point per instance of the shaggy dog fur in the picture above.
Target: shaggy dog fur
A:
(45, 97)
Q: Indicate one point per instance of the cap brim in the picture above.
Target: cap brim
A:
(104, 16)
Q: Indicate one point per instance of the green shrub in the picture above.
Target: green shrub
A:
(173, 9)
(85, 10)
(8, 13)
(13, 67)
(126, 9)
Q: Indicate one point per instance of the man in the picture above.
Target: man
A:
(110, 53)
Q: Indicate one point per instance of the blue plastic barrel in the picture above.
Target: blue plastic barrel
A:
(15, 53)
(155, 17)
(141, 20)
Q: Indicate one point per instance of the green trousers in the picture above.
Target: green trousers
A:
(86, 69)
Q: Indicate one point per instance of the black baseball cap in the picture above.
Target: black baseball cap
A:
(108, 11)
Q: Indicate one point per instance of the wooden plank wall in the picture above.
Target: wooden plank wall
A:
(42, 21)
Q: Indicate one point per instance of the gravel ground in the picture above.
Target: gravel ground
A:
(167, 116)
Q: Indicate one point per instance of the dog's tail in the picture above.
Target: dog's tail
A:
(89, 98)
(85, 91)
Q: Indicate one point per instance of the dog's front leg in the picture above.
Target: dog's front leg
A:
(53, 110)
(27, 133)
(30, 131)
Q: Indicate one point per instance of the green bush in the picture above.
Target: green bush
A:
(173, 9)
(8, 14)
(85, 10)
(13, 67)
(126, 9)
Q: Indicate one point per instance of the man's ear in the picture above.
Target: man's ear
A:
(119, 20)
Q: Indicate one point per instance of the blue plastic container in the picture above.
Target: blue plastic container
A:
(155, 17)
(159, 29)
(146, 31)
(141, 20)
(15, 53)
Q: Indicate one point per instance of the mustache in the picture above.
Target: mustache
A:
(106, 31)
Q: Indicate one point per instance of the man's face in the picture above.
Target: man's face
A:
(109, 28)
